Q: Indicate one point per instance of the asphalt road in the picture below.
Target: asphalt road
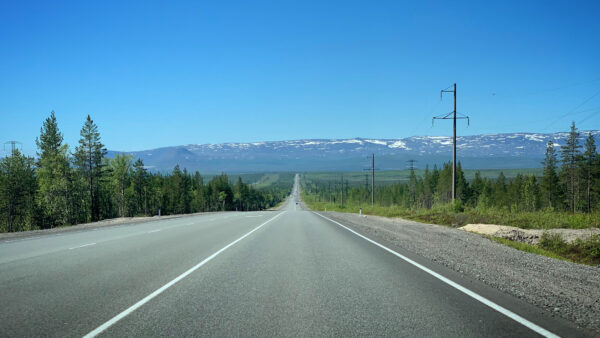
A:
(273, 273)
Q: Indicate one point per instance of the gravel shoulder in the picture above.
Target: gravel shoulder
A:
(565, 289)
(92, 225)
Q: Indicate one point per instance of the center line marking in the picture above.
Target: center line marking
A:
(157, 230)
(81, 246)
(538, 329)
(146, 299)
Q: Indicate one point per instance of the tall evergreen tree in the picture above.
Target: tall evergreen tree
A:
(569, 158)
(88, 160)
(53, 175)
(17, 192)
(140, 187)
(589, 168)
(120, 167)
(550, 184)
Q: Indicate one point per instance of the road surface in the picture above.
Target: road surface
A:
(290, 272)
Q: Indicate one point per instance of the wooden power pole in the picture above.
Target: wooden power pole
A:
(453, 117)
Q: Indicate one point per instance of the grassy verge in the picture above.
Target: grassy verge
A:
(534, 249)
(584, 252)
(449, 215)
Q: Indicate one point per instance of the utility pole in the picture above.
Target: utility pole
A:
(372, 170)
(411, 165)
(453, 117)
(13, 145)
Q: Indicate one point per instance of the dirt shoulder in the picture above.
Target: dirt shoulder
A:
(565, 289)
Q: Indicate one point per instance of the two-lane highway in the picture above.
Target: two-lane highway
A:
(278, 273)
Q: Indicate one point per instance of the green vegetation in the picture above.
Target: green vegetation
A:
(63, 188)
(526, 247)
(553, 246)
(358, 178)
(447, 214)
(565, 197)
(582, 251)
(565, 193)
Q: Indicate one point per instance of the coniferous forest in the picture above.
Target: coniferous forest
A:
(65, 186)
(569, 185)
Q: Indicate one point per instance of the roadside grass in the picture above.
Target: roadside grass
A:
(526, 247)
(579, 251)
(449, 215)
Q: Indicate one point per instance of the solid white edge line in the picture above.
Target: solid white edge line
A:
(538, 329)
(135, 306)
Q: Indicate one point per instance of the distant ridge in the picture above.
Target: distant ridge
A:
(510, 150)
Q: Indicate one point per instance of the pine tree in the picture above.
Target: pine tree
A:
(88, 160)
(589, 168)
(428, 188)
(120, 167)
(53, 175)
(463, 192)
(530, 194)
(412, 189)
(18, 186)
(569, 158)
(476, 188)
(550, 184)
(140, 187)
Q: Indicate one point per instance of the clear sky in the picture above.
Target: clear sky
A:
(155, 74)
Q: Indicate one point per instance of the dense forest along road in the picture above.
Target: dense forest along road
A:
(289, 272)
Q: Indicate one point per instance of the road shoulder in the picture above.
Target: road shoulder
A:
(562, 289)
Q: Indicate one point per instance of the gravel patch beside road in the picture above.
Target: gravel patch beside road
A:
(91, 225)
(566, 289)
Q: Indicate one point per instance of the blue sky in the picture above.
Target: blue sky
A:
(155, 74)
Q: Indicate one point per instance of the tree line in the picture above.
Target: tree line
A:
(570, 182)
(66, 188)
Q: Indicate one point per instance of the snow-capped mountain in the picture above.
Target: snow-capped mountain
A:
(514, 150)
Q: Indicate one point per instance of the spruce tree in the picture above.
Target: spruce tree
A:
(569, 158)
(18, 186)
(140, 187)
(88, 160)
(53, 175)
(550, 184)
(120, 167)
(589, 169)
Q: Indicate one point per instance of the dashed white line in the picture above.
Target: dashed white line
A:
(146, 299)
(153, 231)
(81, 246)
(540, 330)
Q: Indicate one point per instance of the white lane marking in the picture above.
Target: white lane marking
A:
(146, 299)
(153, 231)
(538, 329)
(82, 246)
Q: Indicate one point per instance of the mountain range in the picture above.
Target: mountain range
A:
(487, 151)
